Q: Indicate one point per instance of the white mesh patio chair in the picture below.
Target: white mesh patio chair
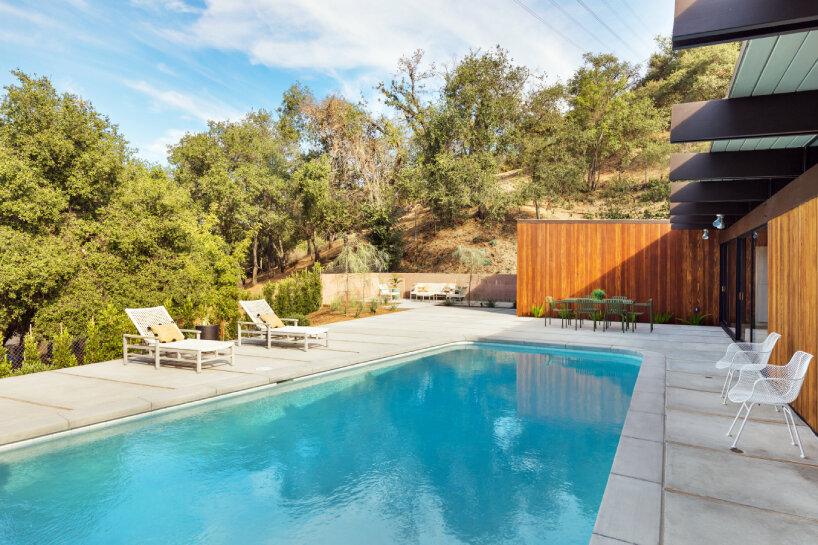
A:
(745, 356)
(189, 351)
(776, 385)
(292, 333)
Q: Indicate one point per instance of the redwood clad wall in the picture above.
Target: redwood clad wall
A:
(642, 260)
(793, 295)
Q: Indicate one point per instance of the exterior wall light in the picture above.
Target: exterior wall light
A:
(719, 223)
(706, 234)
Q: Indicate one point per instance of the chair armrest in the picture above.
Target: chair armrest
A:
(126, 336)
(194, 331)
(248, 323)
(290, 320)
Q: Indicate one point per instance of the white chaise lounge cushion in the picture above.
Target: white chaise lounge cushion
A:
(197, 345)
(299, 330)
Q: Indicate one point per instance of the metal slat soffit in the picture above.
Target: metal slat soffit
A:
(707, 22)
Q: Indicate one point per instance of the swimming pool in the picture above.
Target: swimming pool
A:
(477, 443)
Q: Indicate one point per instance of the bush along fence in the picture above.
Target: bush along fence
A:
(297, 295)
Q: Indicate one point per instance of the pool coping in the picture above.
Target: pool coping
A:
(632, 504)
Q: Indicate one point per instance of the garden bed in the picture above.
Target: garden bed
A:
(325, 315)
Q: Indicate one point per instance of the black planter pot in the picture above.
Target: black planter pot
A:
(209, 332)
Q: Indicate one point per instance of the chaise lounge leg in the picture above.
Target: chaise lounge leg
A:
(326, 339)
(198, 361)
(232, 356)
(239, 324)
(156, 355)
(124, 351)
(306, 342)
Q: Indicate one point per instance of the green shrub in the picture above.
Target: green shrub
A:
(5, 362)
(538, 311)
(373, 306)
(298, 294)
(663, 318)
(598, 294)
(359, 307)
(302, 320)
(491, 303)
(335, 304)
(31, 351)
(656, 191)
(493, 242)
(614, 212)
(695, 319)
(61, 353)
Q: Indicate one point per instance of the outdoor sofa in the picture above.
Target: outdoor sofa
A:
(429, 290)
(155, 325)
(258, 328)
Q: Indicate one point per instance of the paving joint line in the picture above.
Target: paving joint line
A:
(115, 380)
(743, 505)
(812, 465)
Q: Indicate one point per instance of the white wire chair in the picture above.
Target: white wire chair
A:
(745, 356)
(776, 385)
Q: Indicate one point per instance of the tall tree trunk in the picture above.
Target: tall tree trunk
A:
(537, 208)
(255, 258)
(316, 255)
(283, 261)
(646, 171)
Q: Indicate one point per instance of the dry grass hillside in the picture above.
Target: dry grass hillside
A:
(430, 247)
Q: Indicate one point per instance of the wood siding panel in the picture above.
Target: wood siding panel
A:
(793, 295)
(677, 269)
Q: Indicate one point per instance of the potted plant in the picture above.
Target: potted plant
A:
(209, 332)
(393, 288)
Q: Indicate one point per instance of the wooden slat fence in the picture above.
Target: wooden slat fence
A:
(637, 259)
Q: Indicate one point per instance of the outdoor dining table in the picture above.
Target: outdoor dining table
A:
(601, 303)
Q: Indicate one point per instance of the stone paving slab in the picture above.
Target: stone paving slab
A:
(784, 487)
(631, 511)
(696, 381)
(693, 520)
(765, 439)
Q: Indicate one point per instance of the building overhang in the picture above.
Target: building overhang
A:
(707, 22)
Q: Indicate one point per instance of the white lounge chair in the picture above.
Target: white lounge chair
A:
(294, 333)
(745, 356)
(776, 385)
(185, 351)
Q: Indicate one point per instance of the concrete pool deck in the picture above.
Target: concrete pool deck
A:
(674, 479)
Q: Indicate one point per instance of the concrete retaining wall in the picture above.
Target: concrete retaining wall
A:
(499, 287)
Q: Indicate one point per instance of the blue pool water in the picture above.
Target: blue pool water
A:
(476, 443)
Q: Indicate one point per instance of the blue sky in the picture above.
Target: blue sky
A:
(161, 68)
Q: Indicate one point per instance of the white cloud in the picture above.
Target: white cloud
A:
(343, 35)
(169, 5)
(165, 69)
(196, 107)
(157, 151)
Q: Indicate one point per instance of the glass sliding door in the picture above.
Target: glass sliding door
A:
(743, 286)
(759, 311)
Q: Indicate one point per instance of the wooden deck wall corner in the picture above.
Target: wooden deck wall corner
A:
(643, 260)
(793, 295)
